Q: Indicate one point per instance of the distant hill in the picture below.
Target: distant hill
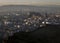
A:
(16, 7)
(28, 8)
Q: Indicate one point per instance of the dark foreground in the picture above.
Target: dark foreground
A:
(48, 34)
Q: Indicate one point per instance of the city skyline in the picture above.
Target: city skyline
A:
(29, 2)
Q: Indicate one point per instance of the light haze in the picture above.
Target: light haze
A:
(30, 2)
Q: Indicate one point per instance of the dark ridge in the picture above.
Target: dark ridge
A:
(34, 5)
(18, 5)
(48, 34)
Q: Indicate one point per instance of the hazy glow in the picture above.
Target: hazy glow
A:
(30, 2)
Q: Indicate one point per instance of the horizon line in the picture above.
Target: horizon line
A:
(29, 4)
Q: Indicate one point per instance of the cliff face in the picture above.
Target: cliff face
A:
(48, 34)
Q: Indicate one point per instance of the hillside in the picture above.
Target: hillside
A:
(48, 34)
(29, 8)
